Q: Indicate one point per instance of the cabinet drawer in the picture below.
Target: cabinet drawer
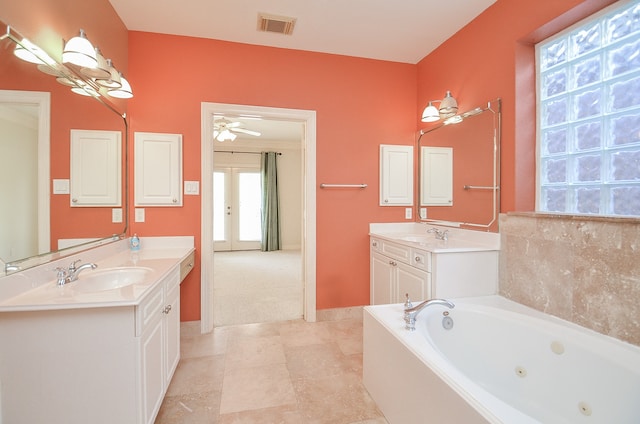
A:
(421, 259)
(396, 251)
(187, 265)
(149, 310)
(172, 280)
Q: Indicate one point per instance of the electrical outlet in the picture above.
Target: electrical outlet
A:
(116, 215)
(408, 213)
(139, 215)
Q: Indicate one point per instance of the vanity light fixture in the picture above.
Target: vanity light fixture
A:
(80, 51)
(123, 92)
(101, 70)
(448, 108)
(112, 80)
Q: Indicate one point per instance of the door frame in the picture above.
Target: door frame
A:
(308, 118)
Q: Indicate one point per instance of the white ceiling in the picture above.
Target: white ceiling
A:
(394, 30)
(399, 31)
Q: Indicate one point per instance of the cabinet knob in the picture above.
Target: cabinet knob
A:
(418, 259)
(393, 263)
(74, 200)
(166, 309)
(374, 244)
(175, 200)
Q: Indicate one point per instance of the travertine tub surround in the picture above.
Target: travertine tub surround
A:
(582, 269)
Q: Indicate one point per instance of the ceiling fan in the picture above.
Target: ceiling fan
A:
(224, 129)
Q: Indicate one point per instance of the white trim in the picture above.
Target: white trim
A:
(42, 100)
(308, 117)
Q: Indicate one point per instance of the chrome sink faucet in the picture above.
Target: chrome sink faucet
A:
(71, 274)
(410, 314)
(440, 235)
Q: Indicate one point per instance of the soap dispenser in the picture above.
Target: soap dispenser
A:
(134, 243)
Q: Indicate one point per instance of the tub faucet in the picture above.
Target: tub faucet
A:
(410, 314)
(71, 274)
(440, 235)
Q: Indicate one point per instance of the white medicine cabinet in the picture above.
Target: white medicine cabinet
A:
(396, 175)
(158, 169)
(96, 177)
(436, 169)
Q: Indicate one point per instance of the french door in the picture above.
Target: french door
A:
(237, 200)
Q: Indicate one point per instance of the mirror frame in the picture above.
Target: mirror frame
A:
(21, 264)
(495, 107)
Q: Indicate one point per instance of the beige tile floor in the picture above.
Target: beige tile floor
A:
(279, 372)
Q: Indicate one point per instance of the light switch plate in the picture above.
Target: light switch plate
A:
(408, 213)
(60, 186)
(116, 215)
(192, 187)
(139, 215)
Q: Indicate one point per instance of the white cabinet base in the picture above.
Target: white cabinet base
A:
(94, 365)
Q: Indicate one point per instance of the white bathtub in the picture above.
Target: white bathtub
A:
(500, 363)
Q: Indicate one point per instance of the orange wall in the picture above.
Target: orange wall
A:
(360, 104)
(493, 57)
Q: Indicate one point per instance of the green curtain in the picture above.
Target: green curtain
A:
(270, 202)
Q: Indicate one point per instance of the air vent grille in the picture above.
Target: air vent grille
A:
(277, 24)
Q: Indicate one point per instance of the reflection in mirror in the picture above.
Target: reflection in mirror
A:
(471, 142)
(37, 116)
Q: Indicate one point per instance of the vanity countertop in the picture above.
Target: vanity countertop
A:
(158, 260)
(416, 236)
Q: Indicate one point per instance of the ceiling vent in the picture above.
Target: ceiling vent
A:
(277, 24)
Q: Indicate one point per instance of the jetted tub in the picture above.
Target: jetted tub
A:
(499, 362)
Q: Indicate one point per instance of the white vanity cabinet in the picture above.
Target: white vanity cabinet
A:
(159, 332)
(105, 364)
(397, 268)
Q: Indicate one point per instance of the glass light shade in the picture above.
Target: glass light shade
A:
(430, 113)
(225, 135)
(112, 80)
(124, 92)
(101, 69)
(31, 53)
(80, 51)
(448, 106)
(85, 90)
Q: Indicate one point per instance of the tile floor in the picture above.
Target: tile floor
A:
(278, 372)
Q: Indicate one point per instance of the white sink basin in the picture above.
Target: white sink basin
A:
(110, 278)
(419, 239)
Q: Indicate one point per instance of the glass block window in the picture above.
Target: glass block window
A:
(589, 116)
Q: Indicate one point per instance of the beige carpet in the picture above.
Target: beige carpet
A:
(255, 287)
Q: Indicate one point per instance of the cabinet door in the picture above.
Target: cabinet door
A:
(436, 171)
(96, 162)
(396, 175)
(152, 358)
(382, 271)
(413, 281)
(158, 169)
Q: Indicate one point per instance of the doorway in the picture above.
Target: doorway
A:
(308, 120)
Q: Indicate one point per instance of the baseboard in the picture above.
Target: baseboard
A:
(336, 314)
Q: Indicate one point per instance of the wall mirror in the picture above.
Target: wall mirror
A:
(472, 140)
(37, 115)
